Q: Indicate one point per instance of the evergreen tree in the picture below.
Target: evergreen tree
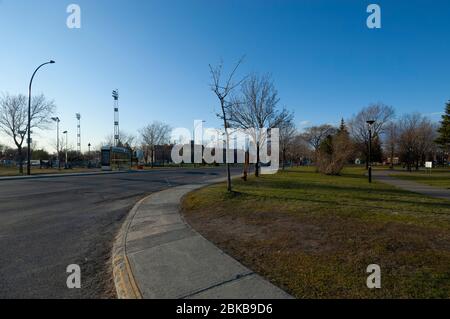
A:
(444, 131)
(343, 126)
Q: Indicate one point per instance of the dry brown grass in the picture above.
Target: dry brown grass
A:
(315, 235)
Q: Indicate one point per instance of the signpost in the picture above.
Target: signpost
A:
(429, 166)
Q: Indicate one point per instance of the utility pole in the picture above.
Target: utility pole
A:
(65, 164)
(56, 119)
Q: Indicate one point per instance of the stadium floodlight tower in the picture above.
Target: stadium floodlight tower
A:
(78, 116)
(115, 95)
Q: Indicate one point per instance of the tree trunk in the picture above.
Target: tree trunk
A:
(257, 160)
(152, 155)
(19, 151)
(246, 165)
(284, 158)
(392, 158)
(225, 125)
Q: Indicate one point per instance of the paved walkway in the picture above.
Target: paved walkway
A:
(383, 176)
(165, 258)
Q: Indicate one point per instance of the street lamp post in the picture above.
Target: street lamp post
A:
(29, 115)
(57, 120)
(370, 123)
(89, 155)
(65, 164)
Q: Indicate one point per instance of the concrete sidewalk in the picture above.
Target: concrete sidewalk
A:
(158, 256)
(436, 192)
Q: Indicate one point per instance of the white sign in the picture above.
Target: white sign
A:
(429, 164)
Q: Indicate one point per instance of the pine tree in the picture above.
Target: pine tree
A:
(444, 131)
(343, 126)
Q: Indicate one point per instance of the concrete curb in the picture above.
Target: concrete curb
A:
(58, 175)
(158, 255)
(42, 176)
(124, 281)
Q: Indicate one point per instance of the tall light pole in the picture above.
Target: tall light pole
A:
(29, 115)
(65, 164)
(370, 124)
(115, 95)
(57, 120)
(78, 116)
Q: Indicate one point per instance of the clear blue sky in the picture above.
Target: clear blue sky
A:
(326, 63)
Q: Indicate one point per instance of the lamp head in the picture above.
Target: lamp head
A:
(52, 62)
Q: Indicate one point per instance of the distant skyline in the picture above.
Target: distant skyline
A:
(324, 60)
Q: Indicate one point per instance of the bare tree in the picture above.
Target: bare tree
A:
(416, 139)
(125, 140)
(14, 118)
(288, 132)
(257, 111)
(299, 150)
(391, 135)
(359, 130)
(154, 134)
(315, 135)
(222, 90)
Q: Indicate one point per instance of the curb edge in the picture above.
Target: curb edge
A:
(124, 281)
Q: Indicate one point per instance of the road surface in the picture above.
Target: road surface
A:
(47, 224)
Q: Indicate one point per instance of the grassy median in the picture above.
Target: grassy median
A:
(315, 235)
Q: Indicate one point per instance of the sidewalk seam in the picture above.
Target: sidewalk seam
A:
(251, 273)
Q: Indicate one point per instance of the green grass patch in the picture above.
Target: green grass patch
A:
(315, 235)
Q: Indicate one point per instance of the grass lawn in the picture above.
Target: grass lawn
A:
(12, 171)
(315, 235)
(439, 177)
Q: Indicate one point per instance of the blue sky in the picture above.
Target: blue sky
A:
(324, 60)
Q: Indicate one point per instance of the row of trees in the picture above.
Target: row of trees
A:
(250, 104)
(411, 139)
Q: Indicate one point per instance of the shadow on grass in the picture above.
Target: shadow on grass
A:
(334, 188)
(409, 202)
(362, 206)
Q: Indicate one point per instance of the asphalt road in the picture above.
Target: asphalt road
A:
(47, 224)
